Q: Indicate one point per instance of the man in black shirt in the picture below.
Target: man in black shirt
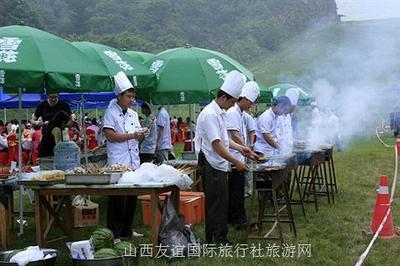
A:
(49, 108)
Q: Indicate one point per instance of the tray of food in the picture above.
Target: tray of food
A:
(42, 178)
(93, 179)
(4, 176)
(95, 175)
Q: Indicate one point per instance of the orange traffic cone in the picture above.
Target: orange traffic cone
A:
(381, 207)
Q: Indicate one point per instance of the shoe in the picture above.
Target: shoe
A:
(136, 234)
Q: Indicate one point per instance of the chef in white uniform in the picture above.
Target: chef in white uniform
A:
(212, 146)
(284, 123)
(267, 134)
(238, 133)
(121, 128)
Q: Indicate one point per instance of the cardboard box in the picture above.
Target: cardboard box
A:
(86, 215)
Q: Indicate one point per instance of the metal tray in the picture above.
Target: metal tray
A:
(4, 176)
(85, 179)
(40, 182)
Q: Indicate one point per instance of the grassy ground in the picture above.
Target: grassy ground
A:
(335, 233)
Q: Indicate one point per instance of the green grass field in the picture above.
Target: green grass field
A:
(335, 233)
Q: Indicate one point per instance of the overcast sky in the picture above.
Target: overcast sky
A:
(368, 9)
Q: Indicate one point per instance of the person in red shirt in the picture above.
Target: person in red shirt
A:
(36, 137)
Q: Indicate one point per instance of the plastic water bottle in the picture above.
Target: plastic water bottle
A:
(66, 154)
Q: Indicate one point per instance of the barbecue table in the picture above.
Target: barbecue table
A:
(64, 193)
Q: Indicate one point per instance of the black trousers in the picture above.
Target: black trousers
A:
(215, 184)
(120, 213)
(146, 157)
(236, 209)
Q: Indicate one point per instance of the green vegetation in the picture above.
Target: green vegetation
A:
(245, 30)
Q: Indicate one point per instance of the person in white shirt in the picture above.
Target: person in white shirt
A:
(163, 144)
(148, 145)
(266, 138)
(284, 123)
(121, 126)
(238, 133)
(212, 147)
(251, 127)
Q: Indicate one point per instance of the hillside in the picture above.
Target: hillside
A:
(243, 29)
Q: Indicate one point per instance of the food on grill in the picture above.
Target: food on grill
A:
(184, 166)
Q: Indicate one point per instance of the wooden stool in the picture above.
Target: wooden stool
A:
(294, 183)
(313, 160)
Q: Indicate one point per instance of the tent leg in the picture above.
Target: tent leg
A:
(84, 131)
(191, 128)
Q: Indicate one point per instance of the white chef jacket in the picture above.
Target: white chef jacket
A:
(266, 124)
(285, 133)
(126, 152)
(211, 126)
(163, 121)
(235, 122)
(250, 125)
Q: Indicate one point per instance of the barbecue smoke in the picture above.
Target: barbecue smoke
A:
(355, 77)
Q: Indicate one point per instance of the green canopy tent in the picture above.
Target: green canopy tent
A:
(115, 60)
(139, 57)
(280, 90)
(32, 61)
(190, 75)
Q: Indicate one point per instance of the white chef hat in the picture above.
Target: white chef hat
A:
(293, 95)
(250, 91)
(122, 83)
(233, 83)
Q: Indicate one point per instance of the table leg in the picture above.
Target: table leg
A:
(11, 209)
(4, 227)
(69, 217)
(154, 221)
(38, 220)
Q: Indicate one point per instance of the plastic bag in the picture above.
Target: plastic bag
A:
(174, 235)
(172, 229)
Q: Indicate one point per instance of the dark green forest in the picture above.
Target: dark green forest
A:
(244, 29)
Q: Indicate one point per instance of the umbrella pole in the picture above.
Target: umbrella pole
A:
(190, 127)
(5, 115)
(84, 132)
(21, 188)
(97, 114)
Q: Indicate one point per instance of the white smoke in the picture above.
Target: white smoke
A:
(357, 77)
